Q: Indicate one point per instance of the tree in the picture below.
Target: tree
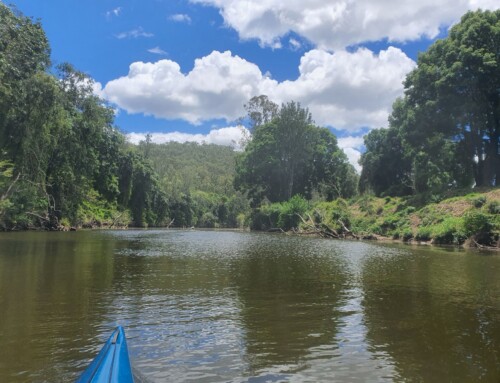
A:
(455, 95)
(61, 156)
(290, 156)
(386, 167)
(445, 131)
(24, 56)
(332, 173)
(260, 111)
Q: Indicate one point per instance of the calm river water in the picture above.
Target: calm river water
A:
(205, 306)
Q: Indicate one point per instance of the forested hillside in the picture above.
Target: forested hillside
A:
(198, 182)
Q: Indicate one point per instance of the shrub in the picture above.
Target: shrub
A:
(476, 223)
(479, 201)
(290, 211)
(406, 235)
(494, 207)
(424, 234)
(449, 231)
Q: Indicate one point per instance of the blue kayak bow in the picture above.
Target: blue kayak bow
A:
(112, 364)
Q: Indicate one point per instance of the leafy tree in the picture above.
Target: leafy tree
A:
(290, 156)
(260, 111)
(62, 152)
(445, 132)
(386, 167)
(332, 174)
(454, 95)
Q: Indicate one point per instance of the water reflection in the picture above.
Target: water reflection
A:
(290, 293)
(436, 313)
(49, 284)
(243, 307)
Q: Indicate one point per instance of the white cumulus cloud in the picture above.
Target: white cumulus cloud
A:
(355, 142)
(217, 87)
(353, 156)
(336, 24)
(114, 12)
(347, 90)
(230, 136)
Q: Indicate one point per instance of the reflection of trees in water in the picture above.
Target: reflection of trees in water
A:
(51, 295)
(437, 315)
(289, 294)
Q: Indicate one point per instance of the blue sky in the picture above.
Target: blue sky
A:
(182, 69)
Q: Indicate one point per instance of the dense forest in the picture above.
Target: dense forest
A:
(62, 161)
(64, 164)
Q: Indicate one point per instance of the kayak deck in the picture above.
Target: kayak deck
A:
(112, 364)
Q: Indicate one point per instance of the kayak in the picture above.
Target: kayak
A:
(112, 364)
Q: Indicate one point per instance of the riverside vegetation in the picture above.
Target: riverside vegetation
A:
(431, 175)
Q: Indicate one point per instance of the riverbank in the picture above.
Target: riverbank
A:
(463, 219)
(467, 220)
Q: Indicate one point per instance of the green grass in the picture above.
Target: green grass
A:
(451, 221)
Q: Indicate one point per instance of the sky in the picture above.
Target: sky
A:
(183, 69)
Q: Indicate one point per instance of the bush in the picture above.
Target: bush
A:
(208, 220)
(476, 223)
(494, 207)
(266, 217)
(424, 234)
(479, 201)
(406, 235)
(290, 211)
(284, 215)
(449, 231)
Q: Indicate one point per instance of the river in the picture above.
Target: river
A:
(215, 306)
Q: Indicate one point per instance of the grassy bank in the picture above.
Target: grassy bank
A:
(471, 219)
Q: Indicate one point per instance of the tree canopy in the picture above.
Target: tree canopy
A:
(445, 131)
(59, 148)
(290, 155)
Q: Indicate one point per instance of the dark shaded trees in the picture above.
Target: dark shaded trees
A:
(445, 132)
(455, 93)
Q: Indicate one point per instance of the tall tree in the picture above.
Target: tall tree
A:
(290, 156)
(455, 94)
(445, 131)
(260, 111)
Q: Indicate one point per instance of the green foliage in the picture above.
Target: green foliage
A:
(290, 211)
(444, 133)
(284, 215)
(68, 162)
(451, 221)
(494, 207)
(386, 165)
(335, 214)
(479, 201)
(97, 211)
(197, 181)
(476, 222)
(260, 110)
(449, 231)
(424, 233)
(289, 156)
(183, 168)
